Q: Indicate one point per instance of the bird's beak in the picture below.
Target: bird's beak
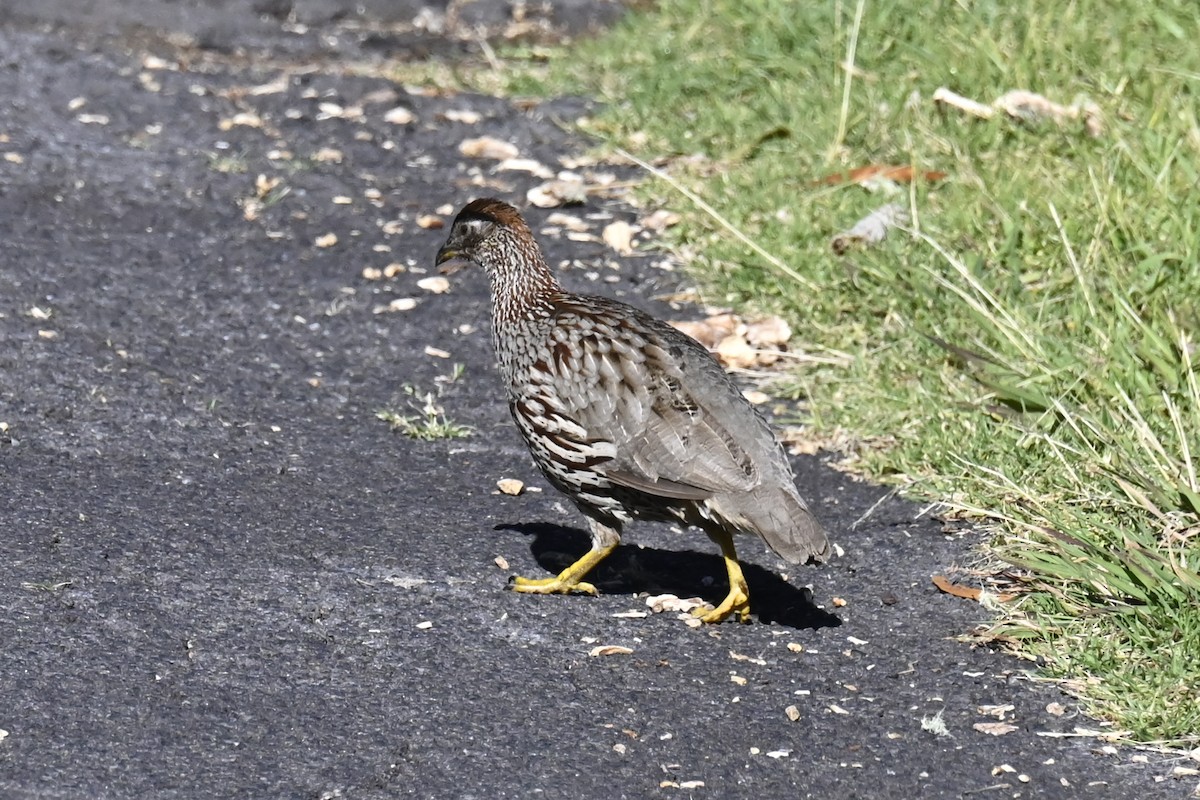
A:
(449, 261)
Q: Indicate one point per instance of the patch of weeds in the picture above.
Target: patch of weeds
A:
(429, 422)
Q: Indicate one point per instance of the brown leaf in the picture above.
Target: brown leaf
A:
(904, 173)
(994, 728)
(609, 650)
(965, 592)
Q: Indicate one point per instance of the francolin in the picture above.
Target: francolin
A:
(627, 416)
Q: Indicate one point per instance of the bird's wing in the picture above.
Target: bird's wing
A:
(675, 419)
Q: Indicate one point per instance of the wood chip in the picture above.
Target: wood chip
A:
(535, 168)
(1058, 709)
(430, 222)
(510, 486)
(631, 614)
(399, 304)
(994, 728)
(659, 603)
(463, 115)
(619, 236)
(795, 647)
(752, 659)
(792, 713)
(567, 221)
(328, 240)
(501, 562)
(399, 116)
(488, 147)
(436, 352)
(245, 119)
(997, 711)
(435, 284)
(329, 155)
(738, 679)
(426, 625)
(609, 650)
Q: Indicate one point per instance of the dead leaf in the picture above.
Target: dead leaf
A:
(994, 728)
(553, 194)
(966, 592)
(735, 352)
(904, 173)
(463, 115)
(871, 229)
(1027, 106)
(609, 650)
(619, 236)
(769, 332)
(660, 220)
(488, 147)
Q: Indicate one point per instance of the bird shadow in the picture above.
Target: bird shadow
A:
(630, 570)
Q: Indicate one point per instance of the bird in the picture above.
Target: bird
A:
(627, 416)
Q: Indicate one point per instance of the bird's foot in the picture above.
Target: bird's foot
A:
(555, 585)
(736, 602)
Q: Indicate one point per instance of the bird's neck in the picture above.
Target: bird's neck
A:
(523, 294)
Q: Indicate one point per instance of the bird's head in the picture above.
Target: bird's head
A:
(490, 234)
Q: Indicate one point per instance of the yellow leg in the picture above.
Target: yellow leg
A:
(569, 580)
(738, 599)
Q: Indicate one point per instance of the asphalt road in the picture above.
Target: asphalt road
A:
(223, 576)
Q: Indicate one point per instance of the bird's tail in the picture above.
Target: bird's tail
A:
(784, 522)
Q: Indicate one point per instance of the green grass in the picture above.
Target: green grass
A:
(425, 419)
(1029, 355)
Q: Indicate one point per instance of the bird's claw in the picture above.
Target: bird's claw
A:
(555, 585)
(734, 603)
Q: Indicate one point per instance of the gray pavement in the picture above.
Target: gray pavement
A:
(223, 576)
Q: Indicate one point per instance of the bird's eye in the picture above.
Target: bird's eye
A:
(476, 227)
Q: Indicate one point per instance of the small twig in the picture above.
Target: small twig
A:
(866, 514)
(488, 52)
(726, 224)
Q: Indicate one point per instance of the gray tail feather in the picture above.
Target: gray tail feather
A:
(787, 526)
